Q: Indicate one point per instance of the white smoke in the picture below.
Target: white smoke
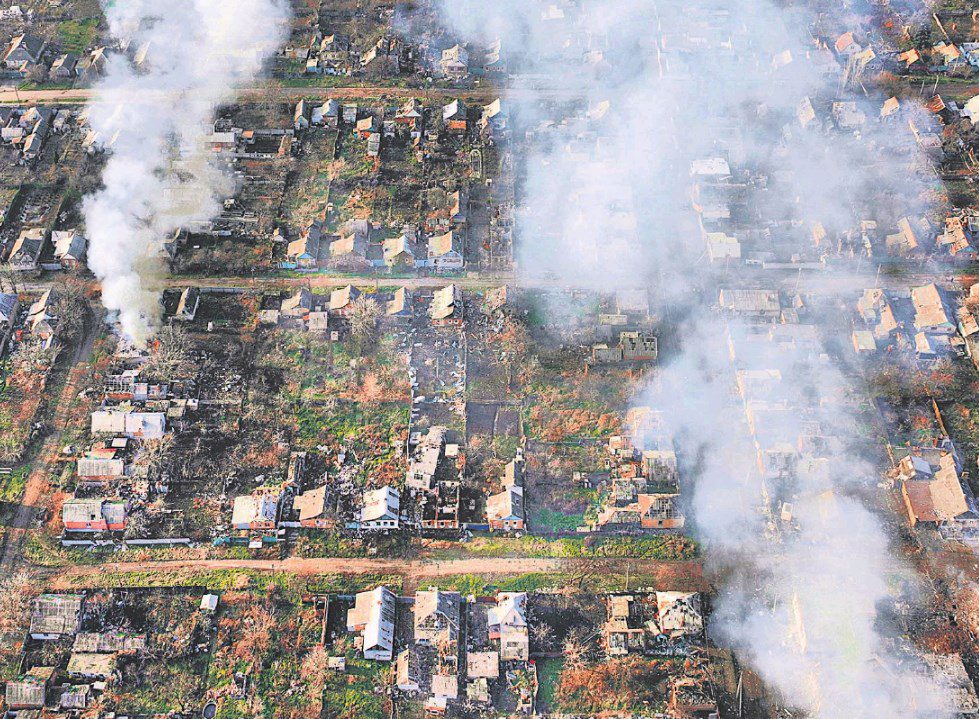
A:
(604, 185)
(153, 117)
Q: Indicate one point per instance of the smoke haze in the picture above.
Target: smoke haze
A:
(680, 114)
(153, 116)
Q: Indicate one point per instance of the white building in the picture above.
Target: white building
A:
(372, 617)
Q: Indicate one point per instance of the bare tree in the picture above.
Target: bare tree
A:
(170, 354)
(18, 591)
(313, 670)
(38, 74)
(70, 307)
(10, 446)
(364, 315)
(576, 649)
(8, 279)
(33, 354)
(542, 635)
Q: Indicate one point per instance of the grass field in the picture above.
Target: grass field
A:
(76, 36)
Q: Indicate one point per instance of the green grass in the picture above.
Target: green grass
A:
(353, 694)
(660, 547)
(227, 579)
(548, 674)
(77, 35)
(12, 485)
(551, 521)
(486, 585)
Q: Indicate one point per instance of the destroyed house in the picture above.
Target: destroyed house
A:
(426, 460)
(108, 642)
(97, 469)
(940, 498)
(447, 309)
(762, 304)
(313, 509)
(930, 311)
(29, 691)
(637, 347)
(92, 666)
(632, 508)
(408, 672)
(258, 510)
(679, 614)
(75, 696)
(625, 630)
(56, 615)
(436, 617)
(125, 386)
(910, 239)
(94, 515)
(949, 672)
(440, 507)
(135, 425)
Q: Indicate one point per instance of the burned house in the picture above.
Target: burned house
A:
(29, 691)
(632, 347)
(258, 511)
(56, 615)
(94, 515)
(433, 480)
(936, 496)
(447, 309)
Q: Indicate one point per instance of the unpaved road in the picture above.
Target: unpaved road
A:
(685, 573)
(77, 96)
(48, 454)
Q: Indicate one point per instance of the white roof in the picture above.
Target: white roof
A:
(380, 504)
(209, 602)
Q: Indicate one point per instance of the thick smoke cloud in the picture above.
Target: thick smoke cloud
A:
(152, 112)
(761, 417)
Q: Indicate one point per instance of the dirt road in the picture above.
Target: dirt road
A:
(689, 573)
(49, 452)
(79, 96)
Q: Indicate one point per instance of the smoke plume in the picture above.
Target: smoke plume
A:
(640, 124)
(152, 112)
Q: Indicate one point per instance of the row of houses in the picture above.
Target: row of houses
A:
(75, 651)
(643, 492)
(355, 245)
(115, 474)
(452, 649)
(920, 322)
(36, 249)
(304, 309)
